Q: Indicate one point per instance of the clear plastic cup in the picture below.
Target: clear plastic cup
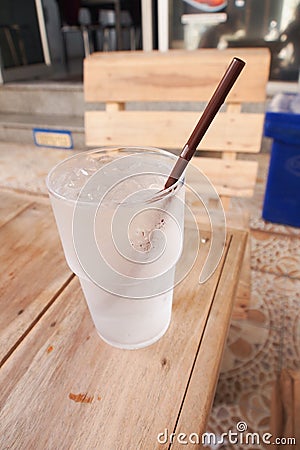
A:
(122, 235)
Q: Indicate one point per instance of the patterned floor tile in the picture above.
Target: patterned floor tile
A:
(258, 223)
(275, 253)
(270, 294)
(225, 418)
(257, 349)
(251, 360)
(291, 330)
(266, 306)
(268, 339)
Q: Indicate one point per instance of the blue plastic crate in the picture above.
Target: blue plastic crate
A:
(282, 196)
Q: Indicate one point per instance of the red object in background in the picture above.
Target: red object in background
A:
(206, 5)
(211, 2)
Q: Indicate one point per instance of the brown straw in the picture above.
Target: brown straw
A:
(213, 106)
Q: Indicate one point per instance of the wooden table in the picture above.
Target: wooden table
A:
(61, 386)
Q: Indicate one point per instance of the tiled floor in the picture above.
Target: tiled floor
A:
(259, 346)
(269, 338)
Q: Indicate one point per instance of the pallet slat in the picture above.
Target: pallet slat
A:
(171, 129)
(234, 178)
(177, 75)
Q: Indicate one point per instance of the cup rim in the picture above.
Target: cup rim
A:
(159, 196)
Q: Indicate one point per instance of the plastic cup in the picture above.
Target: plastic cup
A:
(122, 236)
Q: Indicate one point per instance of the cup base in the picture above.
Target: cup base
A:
(135, 346)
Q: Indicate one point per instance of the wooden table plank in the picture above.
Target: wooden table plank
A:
(12, 204)
(201, 390)
(34, 271)
(65, 388)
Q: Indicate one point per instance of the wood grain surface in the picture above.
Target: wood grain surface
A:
(33, 268)
(12, 204)
(176, 75)
(171, 129)
(62, 387)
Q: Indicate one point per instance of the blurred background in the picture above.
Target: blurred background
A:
(49, 38)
